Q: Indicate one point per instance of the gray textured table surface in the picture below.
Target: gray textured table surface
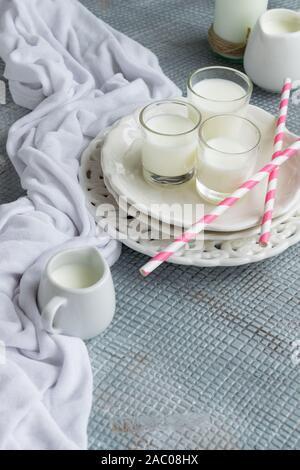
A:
(195, 358)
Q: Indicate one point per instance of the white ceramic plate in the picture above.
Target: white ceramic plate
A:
(131, 212)
(121, 164)
(217, 249)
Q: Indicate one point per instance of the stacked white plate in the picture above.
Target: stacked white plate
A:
(128, 207)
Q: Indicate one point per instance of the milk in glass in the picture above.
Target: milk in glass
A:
(219, 90)
(170, 143)
(229, 149)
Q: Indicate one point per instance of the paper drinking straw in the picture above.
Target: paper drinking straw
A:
(273, 177)
(222, 207)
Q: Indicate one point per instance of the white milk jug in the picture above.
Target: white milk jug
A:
(273, 49)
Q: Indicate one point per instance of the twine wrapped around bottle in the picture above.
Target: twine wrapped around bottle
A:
(226, 48)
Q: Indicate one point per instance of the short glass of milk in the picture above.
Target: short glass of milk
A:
(170, 144)
(219, 90)
(229, 146)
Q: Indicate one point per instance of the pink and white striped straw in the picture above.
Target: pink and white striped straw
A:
(273, 177)
(223, 206)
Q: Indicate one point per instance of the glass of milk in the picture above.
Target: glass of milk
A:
(229, 146)
(170, 143)
(234, 19)
(219, 90)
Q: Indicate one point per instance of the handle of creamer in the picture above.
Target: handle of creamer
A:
(49, 312)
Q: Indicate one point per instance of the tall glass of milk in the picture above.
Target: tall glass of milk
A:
(233, 21)
(229, 149)
(170, 144)
(219, 90)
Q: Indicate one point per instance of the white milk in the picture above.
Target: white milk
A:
(172, 155)
(219, 89)
(224, 172)
(218, 96)
(282, 25)
(75, 276)
(170, 124)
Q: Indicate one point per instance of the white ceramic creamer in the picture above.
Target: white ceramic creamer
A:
(76, 293)
(273, 49)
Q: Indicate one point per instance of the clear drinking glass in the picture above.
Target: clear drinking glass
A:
(219, 90)
(229, 146)
(170, 144)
